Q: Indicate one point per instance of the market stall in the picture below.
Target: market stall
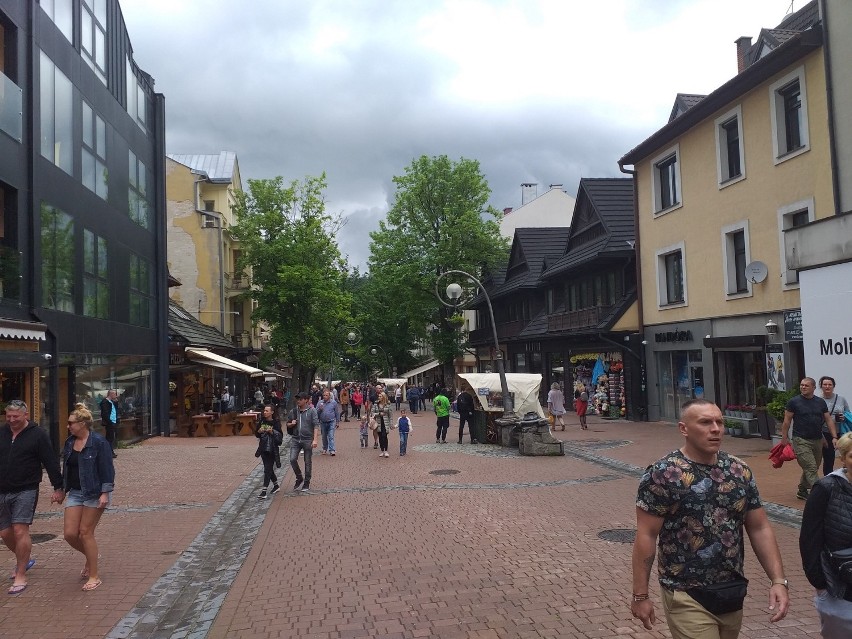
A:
(601, 375)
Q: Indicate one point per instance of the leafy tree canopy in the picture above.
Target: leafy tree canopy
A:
(440, 220)
(298, 275)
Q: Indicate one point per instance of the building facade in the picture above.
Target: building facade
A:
(717, 189)
(83, 305)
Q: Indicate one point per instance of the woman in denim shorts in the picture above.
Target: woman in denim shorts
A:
(87, 476)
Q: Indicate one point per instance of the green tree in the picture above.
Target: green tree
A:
(298, 274)
(440, 220)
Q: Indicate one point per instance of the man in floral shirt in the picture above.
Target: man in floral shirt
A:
(697, 500)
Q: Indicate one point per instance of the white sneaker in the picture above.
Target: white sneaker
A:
(387, 454)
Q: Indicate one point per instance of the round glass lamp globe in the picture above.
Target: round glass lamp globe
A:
(454, 291)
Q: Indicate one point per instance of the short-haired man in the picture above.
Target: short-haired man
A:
(441, 404)
(329, 414)
(807, 413)
(109, 418)
(697, 500)
(304, 424)
(24, 450)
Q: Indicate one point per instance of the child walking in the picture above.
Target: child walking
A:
(404, 426)
(363, 432)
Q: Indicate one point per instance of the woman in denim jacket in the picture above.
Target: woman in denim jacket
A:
(87, 478)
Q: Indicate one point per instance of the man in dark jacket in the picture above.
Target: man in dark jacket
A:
(24, 450)
(109, 418)
(464, 406)
(413, 395)
(304, 428)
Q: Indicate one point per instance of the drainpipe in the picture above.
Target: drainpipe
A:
(829, 91)
(643, 383)
(203, 177)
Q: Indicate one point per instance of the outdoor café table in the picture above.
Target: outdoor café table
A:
(204, 419)
(245, 419)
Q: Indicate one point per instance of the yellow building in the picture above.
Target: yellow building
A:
(202, 254)
(716, 188)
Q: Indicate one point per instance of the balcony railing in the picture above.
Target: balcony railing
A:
(11, 105)
(506, 330)
(573, 320)
(10, 273)
(236, 281)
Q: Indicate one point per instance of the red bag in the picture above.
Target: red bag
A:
(781, 453)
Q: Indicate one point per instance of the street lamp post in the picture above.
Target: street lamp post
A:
(352, 338)
(373, 350)
(454, 292)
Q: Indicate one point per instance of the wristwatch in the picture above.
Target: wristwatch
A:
(781, 582)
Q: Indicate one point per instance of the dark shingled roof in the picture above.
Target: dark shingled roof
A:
(531, 247)
(183, 327)
(790, 26)
(611, 201)
(684, 102)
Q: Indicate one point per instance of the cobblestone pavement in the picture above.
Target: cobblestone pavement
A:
(450, 541)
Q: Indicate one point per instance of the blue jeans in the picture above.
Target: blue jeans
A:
(403, 442)
(327, 429)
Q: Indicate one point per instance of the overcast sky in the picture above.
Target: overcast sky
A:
(544, 91)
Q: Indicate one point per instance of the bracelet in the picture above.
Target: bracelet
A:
(638, 598)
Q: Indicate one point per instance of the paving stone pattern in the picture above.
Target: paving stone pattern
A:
(506, 548)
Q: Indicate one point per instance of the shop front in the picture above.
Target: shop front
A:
(24, 366)
(680, 367)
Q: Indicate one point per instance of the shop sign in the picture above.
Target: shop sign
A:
(673, 336)
(793, 326)
(825, 323)
(176, 359)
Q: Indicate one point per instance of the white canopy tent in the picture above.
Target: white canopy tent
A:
(523, 386)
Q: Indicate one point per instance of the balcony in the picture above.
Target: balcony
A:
(236, 281)
(10, 274)
(11, 104)
(574, 320)
(506, 330)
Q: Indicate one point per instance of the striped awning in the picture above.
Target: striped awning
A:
(15, 329)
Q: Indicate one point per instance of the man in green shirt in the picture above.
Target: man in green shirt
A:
(442, 409)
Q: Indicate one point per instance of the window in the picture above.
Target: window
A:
(671, 276)
(789, 111)
(93, 36)
(60, 11)
(137, 194)
(666, 185)
(136, 99)
(791, 216)
(57, 257)
(735, 256)
(140, 292)
(56, 114)
(93, 153)
(729, 147)
(95, 285)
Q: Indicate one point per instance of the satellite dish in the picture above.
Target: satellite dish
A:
(756, 272)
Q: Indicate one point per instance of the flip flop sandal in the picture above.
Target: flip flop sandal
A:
(30, 564)
(17, 589)
(91, 585)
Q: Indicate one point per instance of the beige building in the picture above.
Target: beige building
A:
(716, 189)
(202, 254)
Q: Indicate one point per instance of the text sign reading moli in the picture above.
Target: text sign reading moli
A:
(673, 336)
(793, 326)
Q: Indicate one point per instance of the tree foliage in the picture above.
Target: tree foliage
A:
(440, 220)
(288, 240)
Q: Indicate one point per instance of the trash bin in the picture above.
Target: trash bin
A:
(479, 426)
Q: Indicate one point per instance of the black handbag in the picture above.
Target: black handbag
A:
(721, 598)
(841, 561)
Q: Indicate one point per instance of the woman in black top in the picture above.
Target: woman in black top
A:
(88, 477)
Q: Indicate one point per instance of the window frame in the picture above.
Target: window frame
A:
(144, 296)
(96, 274)
(672, 153)
(92, 151)
(790, 277)
(721, 124)
(661, 254)
(55, 284)
(729, 260)
(135, 194)
(777, 112)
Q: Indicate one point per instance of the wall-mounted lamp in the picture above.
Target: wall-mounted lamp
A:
(708, 336)
(644, 342)
(771, 328)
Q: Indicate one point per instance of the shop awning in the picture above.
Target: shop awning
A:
(14, 329)
(735, 341)
(212, 359)
(422, 369)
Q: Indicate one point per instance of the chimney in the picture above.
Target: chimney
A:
(507, 210)
(529, 192)
(743, 45)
